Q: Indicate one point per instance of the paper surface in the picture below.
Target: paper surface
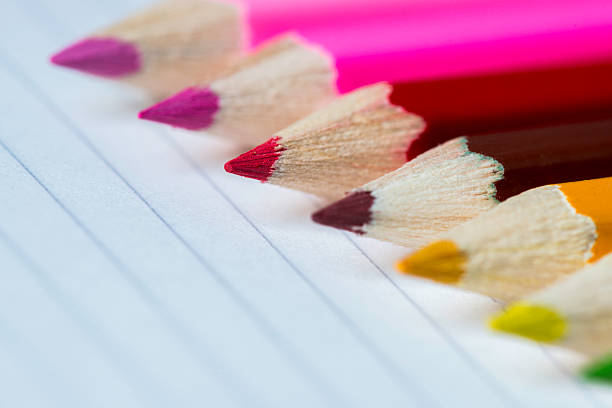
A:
(135, 272)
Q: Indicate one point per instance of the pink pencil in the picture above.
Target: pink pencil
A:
(393, 40)
(427, 41)
(422, 40)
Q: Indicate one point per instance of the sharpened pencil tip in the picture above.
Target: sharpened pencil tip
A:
(440, 261)
(193, 108)
(107, 57)
(536, 322)
(257, 163)
(351, 213)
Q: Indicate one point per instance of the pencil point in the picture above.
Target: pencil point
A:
(107, 57)
(351, 213)
(441, 261)
(193, 108)
(257, 163)
(600, 370)
(539, 323)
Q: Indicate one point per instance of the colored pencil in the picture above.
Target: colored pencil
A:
(164, 48)
(599, 370)
(178, 43)
(575, 312)
(524, 243)
(281, 82)
(316, 156)
(466, 176)
(435, 40)
(415, 40)
(317, 151)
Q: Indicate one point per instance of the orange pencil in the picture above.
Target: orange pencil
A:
(524, 243)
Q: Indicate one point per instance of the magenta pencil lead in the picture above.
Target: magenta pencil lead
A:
(107, 57)
(194, 109)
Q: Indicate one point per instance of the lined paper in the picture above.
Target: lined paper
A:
(137, 273)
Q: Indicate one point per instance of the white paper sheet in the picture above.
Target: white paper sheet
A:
(135, 272)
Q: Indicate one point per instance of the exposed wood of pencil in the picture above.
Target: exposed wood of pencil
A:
(289, 80)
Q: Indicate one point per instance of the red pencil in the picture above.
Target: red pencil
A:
(300, 158)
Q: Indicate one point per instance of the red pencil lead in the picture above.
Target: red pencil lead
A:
(193, 108)
(107, 57)
(257, 163)
(351, 213)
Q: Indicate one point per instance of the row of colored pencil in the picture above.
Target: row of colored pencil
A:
(516, 210)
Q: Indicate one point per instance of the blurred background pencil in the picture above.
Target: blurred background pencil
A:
(523, 244)
(599, 370)
(416, 40)
(466, 176)
(190, 42)
(282, 81)
(349, 142)
(491, 101)
(374, 41)
(163, 48)
(574, 313)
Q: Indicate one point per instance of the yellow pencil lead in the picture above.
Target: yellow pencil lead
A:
(536, 322)
(441, 261)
